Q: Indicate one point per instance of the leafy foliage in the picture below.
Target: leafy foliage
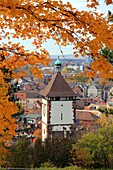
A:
(87, 31)
(8, 109)
(108, 54)
(48, 153)
(106, 120)
(7, 124)
(91, 151)
(53, 151)
(64, 70)
(95, 150)
(78, 78)
(20, 154)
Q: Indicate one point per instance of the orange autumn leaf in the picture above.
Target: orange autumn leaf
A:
(87, 31)
(108, 2)
(7, 123)
(37, 134)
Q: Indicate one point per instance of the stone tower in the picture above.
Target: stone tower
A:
(58, 107)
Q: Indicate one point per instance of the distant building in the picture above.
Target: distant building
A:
(81, 68)
(94, 91)
(87, 121)
(81, 90)
(28, 97)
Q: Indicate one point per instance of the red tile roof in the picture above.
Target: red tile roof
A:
(86, 115)
(58, 87)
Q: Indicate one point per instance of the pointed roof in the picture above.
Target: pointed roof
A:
(57, 87)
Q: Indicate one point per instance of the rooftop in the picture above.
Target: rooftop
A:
(58, 87)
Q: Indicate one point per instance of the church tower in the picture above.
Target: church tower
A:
(58, 107)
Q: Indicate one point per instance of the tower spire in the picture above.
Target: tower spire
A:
(58, 65)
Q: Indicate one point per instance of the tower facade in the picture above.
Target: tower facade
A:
(58, 107)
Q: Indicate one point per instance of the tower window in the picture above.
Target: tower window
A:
(61, 104)
(61, 116)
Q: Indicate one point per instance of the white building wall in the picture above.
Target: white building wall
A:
(61, 116)
(73, 67)
(44, 119)
(61, 128)
(92, 90)
(28, 103)
(31, 102)
(61, 112)
(44, 131)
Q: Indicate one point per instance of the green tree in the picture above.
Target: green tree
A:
(38, 153)
(95, 150)
(110, 15)
(64, 70)
(83, 151)
(106, 110)
(105, 147)
(81, 78)
(20, 154)
(61, 152)
(12, 87)
(108, 54)
(56, 152)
